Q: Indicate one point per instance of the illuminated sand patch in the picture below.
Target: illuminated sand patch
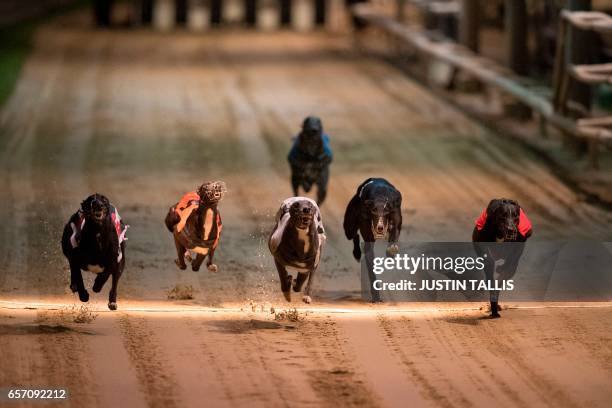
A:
(326, 308)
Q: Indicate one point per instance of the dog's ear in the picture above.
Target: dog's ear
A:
(105, 200)
(396, 201)
(493, 205)
(86, 203)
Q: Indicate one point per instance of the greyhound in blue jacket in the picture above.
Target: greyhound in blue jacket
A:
(309, 159)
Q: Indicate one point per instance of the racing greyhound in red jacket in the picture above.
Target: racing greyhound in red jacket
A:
(503, 221)
(195, 223)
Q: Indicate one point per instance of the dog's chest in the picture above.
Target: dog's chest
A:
(303, 240)
(94, 268)
(296, 247)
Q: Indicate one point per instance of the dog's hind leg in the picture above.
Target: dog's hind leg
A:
(76, 282)
(180, 251)
(299, 281)
(100, 281)
(285, 279)
(322, 185)
(209, 264)
(197, 262)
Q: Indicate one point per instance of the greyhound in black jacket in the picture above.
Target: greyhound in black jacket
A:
(296, 242)
(375, 212)
(503, 221)
(94, 240)
(309, 159)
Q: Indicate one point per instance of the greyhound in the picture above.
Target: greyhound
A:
(375, 213)
(503, 221)
(94, 240)
(296, 242)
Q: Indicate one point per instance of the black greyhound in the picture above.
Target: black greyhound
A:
(375, 212)
(296, 242)
(309, 159)
(195, 223)
(503, 221)
(94, 240)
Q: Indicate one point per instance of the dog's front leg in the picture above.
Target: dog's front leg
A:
(209, 264)
(76, 281)
(306, 298)
(369, 260)
(493, 294)
(356, 249)
(112, 295)
(285, 279)
(394, 233)
(180, 252)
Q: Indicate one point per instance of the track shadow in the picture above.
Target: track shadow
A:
(28, 329)
(246, 326)
(469, 321)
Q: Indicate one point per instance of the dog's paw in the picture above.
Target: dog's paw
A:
(84, 296)
(306, 299)
(112, 305)
(195, 268)
(73, 288)
(392, 250)
(212, 268)
(96, 287)
(180, 265)
(357, 254)
(287, 295)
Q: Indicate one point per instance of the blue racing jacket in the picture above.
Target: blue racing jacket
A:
(297, 156)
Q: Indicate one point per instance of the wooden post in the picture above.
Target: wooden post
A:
(268, 15)
(579, 51)
(515, 26)
(336, 16)
(517, 52)
(469, 22)
(198, 15)
(164, 15)
(400, 12)
(233, 11)
(303, 15)
(146, 12)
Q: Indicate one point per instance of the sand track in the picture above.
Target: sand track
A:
(143, 117)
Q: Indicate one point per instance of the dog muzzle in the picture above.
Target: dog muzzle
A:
(98, 216)
(511, 234)
(379, 229)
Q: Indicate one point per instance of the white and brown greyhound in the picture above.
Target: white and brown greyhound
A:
(296, 243)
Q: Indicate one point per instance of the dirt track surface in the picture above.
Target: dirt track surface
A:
(144, 118)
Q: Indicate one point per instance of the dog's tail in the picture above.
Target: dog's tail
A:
(351, 217)
(172, 219)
